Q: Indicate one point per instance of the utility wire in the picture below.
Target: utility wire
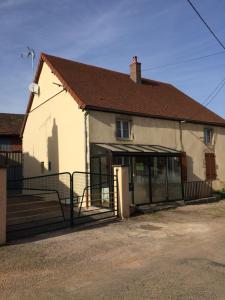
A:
(213, 92)
(50, 98)
(183, 61)
(208, 27)
(214, 96)
(211, 96)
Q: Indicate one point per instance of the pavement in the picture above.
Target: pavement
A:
(174, 254)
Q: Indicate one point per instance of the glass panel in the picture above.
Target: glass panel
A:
(208, 135)
(118, 129)
(141, 180)
(158, 180)
(125, 125)
(125, 129)
(174, 178)
(125, 134)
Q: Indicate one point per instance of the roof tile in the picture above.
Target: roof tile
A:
(109, 90)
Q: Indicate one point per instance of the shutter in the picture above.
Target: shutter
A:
(183, 159)
(210, 163)
(207, 166)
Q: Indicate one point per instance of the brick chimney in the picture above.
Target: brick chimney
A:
(135, 70)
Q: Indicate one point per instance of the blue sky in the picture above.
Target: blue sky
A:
(108, 33)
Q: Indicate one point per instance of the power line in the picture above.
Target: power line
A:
(210, 97)
(214, 96)
(50, 98)
(208, 27)
(213, 92)
(183, 61)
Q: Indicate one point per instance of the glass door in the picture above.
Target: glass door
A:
(141, 180)
(159, 179)
(174, 178)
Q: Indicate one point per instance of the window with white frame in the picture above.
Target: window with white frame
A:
(208, 136)
(123, 129)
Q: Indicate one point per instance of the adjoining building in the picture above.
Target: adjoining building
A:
(11, 143)
(86, 118)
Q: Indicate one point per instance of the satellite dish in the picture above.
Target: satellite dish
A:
(34, 88)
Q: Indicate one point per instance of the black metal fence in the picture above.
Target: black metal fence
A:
(37, 204)
(197, 190)
(44, 203)
(13, 161)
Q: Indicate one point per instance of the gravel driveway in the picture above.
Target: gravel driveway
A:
(176, 254)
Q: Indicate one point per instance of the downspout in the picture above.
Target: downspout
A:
(181, 135)
(86, 137)
(182, 149)
(87, 155)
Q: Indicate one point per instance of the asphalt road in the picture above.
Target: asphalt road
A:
(176, 254)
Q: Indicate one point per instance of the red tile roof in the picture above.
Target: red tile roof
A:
(97, 88)
(11, 124)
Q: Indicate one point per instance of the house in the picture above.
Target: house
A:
(87, 118)
(11, 143)
(10, 128)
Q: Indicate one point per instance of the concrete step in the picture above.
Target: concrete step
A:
(151, 208)
(202, 201)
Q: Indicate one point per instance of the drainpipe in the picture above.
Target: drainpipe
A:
(87, 154)
(182, 149)
(181, 134)
(86, 136)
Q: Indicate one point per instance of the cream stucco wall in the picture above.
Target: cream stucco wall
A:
(54, 130)
(173, 134)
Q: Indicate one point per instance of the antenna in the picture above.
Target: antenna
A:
(30, 53)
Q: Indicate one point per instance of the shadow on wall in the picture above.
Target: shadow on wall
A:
(190, 170)
(43, 174)
(50, 163)
(53, 150)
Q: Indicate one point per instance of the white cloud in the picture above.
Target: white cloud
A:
(12, 3)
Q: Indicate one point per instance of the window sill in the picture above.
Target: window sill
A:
(124, 139)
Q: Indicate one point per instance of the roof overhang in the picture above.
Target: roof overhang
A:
(137, 149)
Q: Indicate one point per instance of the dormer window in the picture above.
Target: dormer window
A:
(208, 136)
(123, 129)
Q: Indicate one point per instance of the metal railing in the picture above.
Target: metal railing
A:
(197, 189)
(94, 194)
(41, 202)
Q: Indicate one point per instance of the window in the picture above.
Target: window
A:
(5, 144)
(210, 164)
(123, 128)
(208, 135)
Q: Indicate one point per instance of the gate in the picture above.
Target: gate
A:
(95, 197)
(49, 202)
(37, 204)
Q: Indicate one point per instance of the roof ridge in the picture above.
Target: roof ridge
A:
(101, 68)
